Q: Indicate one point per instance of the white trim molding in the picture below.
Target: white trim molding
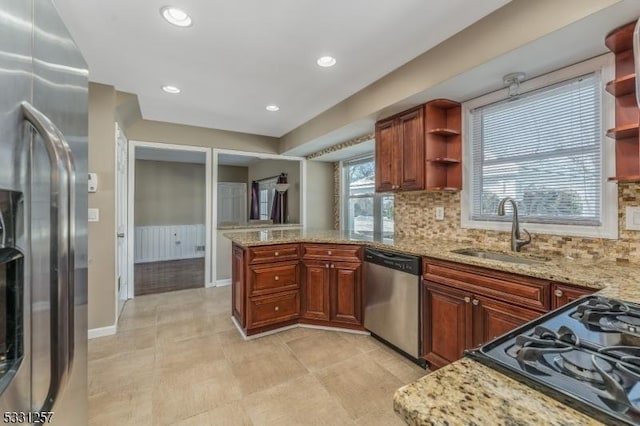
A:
(102, 331)
(133, 144)
(214, 194)
(223, 283)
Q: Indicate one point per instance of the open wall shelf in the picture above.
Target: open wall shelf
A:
(443, 145)
(625, 133)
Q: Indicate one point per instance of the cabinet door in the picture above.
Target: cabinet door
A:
(237, 287)
(315, 289)
(492, 318)
(346, 292)
(386, 156)
(446, 323)
(562, 294)
(411, 157)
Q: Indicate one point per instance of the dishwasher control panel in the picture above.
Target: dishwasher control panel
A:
(398, 261)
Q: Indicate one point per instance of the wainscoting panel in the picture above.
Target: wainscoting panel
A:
(172, 242)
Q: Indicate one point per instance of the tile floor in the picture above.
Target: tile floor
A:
(178, 360)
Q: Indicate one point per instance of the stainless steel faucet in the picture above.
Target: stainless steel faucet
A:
(516, 242)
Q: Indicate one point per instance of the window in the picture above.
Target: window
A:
(267, 189)
(365, 212)
(544, 149)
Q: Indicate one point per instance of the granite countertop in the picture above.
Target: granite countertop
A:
(467, 392)
(258, 225)
(616, 278)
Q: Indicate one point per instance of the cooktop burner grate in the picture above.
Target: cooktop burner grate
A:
(586, 354)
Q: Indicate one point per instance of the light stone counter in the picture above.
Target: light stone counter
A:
(467, 392)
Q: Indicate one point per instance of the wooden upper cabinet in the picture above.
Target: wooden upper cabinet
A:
(420, 149)
(385, 155)
(411, 155)
(400, 152)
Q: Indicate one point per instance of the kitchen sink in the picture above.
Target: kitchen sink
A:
(501, 257)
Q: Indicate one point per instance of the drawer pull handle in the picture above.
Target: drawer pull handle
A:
(276, 278)
(277, 308)
(326, 266)
(276, 253)
(329, 253)
(333, 266)
(558, 293)
(467, 299)
(475, 302)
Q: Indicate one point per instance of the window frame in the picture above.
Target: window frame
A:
(345, 197)
(604, 65)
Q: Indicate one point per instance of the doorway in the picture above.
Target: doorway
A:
(169, 217)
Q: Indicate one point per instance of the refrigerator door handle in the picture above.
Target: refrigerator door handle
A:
(62, 249)
(636, 58)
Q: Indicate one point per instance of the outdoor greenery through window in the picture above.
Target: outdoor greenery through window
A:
(544, 150)
(365, 212)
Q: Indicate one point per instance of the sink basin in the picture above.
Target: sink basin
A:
(501, 257)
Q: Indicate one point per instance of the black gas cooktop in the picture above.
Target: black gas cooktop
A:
(586, 354)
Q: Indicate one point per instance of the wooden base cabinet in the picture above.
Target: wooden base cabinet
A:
(237, 284)
(447, 323)
(265, 286)
(316, 293)
(561, 294)
(332, 291)
(455, 320)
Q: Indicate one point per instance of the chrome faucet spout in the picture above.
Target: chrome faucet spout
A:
(516, 242)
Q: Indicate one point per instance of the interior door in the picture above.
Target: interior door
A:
(122, 197)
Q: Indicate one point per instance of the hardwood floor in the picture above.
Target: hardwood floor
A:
(173, 275)
(177, 359)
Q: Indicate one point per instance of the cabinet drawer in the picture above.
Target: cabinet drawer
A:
(518, 289)
(265, 310)
(332, 252)
(264, 254)
(278, 276)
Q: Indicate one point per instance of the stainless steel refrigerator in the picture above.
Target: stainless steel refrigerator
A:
(43, 218)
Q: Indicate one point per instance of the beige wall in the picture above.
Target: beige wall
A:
(319, 200)
(102, 234)
(508, 28)
(169, 193)
(156, 131)
(415, 216)
(233, 174)
(268, 168)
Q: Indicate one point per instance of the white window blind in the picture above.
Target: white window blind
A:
(543, 149)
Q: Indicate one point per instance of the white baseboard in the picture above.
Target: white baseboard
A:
(222, 283)
(102, 331)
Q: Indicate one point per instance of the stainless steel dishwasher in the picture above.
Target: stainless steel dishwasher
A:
(392, 300)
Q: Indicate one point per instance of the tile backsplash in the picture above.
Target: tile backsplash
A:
(415, 215)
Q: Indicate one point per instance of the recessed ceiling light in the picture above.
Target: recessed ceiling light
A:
(176, 16)
(171, 89)
(326, 61)
(272, 108)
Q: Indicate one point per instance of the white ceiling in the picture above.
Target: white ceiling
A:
(240, 56)
(574, 43)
